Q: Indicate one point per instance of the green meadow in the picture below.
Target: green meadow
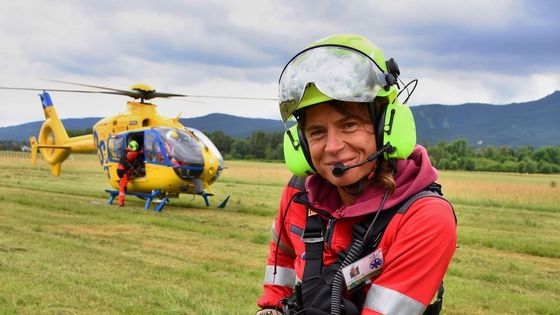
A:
(64, 250)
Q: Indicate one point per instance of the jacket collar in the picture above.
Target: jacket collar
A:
(413, 175)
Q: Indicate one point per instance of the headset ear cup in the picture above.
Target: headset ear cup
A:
(294, 156)
(399, 130)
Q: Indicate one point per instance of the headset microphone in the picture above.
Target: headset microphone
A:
(339, 168)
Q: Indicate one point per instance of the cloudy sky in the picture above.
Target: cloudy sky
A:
(499, 51)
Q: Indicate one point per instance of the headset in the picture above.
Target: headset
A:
(393, 122)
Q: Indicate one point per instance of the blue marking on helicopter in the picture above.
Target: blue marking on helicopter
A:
(45, 100)
(148, 197)
(185, 167)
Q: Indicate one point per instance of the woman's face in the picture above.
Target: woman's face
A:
(345, 137)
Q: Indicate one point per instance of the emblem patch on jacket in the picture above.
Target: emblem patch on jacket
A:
(363, 269)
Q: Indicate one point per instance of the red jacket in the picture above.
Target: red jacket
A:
(417, 246)
(128, 160)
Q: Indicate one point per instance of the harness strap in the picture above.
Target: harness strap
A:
(313, 238)
(297, 182)
(435, 308)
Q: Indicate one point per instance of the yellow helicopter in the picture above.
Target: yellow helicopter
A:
(176, 159)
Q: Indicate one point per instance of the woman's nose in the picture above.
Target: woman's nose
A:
(334, 142)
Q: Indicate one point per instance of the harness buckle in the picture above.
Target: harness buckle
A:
(313, 232)
(312, 236)
(311, 240)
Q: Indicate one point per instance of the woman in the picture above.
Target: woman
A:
(367, 232)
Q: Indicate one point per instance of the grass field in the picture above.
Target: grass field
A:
(63, 250)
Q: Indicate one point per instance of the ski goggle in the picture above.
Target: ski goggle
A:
(340, 73)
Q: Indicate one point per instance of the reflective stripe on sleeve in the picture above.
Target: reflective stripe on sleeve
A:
(285, 248)
(387, 301)
(285, 277)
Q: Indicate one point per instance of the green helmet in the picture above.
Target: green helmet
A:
(345, 68)
(340, 67)
(133, 145)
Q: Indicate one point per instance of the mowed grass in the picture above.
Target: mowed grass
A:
(63, 250)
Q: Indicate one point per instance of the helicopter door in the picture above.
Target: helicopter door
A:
(138, 166)
(117, 148)
(153, 149)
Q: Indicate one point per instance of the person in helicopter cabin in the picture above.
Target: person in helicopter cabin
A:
(129, 167)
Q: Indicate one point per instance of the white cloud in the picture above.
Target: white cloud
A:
(239, 48)
(459, 87)
(472, 14)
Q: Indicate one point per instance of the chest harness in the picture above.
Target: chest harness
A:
(320, 291)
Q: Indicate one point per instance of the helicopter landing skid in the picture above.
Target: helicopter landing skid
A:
(148, 197)
(205, 196)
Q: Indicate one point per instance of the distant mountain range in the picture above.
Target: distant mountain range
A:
(534, 123)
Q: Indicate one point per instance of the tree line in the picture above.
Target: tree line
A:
(456, 155)
(459, 155)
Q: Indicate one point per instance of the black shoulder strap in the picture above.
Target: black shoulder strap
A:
(424, 193)
(435, 308)
(314, 241)
(359, 230)
(385, 216)
(434, 190)
(297, 182)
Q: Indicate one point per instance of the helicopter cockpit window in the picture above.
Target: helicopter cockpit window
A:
(207, 142)
(181, 148)
(115, 148)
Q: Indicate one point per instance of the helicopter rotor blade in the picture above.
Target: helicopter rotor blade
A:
(185, 100)
(135, 93)
(58, 90)
(146, 95)
(165, 95)
(153, 94)
(234, 97)
(89, 85)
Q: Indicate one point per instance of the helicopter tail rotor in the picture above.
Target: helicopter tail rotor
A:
(53, 143)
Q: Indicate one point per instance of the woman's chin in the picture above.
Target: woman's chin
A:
(348, 178)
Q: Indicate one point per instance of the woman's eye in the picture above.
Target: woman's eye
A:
(350, 125)
(316, 134)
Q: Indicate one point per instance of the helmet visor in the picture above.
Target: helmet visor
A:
(340, 73)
